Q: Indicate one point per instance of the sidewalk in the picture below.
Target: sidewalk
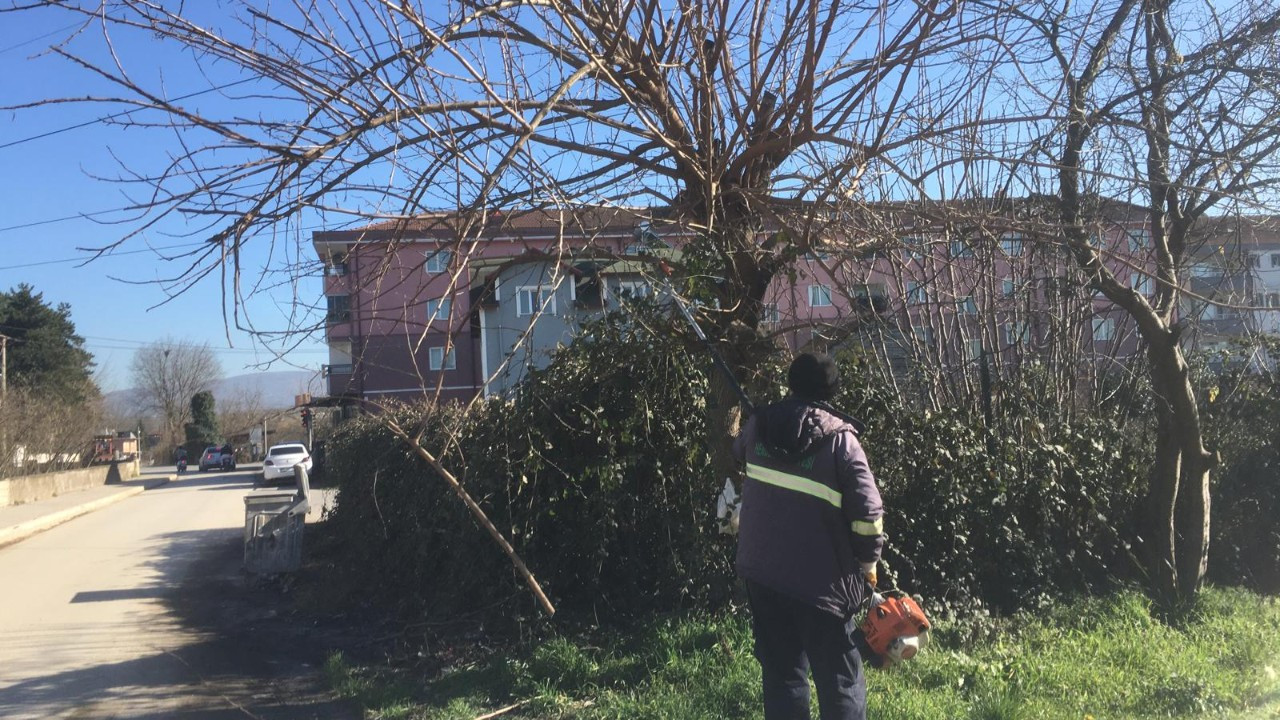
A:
(19, 522)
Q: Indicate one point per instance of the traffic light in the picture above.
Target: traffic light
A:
(306, 417)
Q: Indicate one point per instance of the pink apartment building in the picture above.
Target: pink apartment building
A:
(430, 308)
(402, 300)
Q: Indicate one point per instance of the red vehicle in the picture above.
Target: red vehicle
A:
(114, 447)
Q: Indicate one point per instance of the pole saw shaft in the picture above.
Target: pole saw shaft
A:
(711, 349)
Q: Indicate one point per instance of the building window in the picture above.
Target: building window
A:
(339, 308)
(438, 261)
(1139, 240)
(769, 314)
(339, 358)
(1007, 288)
(438, 359)
(960, 249)
(1011, 245)
(1275, 260)
(871, 297)
(336, 266)
(917, 293)
(923, 334)
(646, 241)
(530, 300)
(1104, 329)
(974, 348)
(819, 296)
(1141, 283)
(914, 248)
(967, 306)
(1016, 333)
(1273, 300)
(1255, 261)
(633, 290)
(439, 309)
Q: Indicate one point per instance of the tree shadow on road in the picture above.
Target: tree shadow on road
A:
(239, 648)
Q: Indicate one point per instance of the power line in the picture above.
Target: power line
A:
(227, 351)
(15, 46)
(265, 349)
(99, 341)
(118, 252)
(64, 218)
(313, 64)
(120, 114)
(112, 254)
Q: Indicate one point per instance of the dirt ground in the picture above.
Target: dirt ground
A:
(264, 655)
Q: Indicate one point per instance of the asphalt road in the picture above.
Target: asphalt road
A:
(141, 610)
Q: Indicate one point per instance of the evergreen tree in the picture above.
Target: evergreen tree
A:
(45, 355)
(202, 431)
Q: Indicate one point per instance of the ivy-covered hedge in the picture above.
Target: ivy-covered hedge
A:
(1241, 408)
(597, 471)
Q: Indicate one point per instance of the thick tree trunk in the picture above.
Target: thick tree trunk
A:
(1192, 523)
(1160, 541)
(723, 424)
(1178, 496)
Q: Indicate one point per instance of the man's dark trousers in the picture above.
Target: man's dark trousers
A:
(792, 638)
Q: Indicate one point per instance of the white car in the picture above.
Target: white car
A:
(280, 459)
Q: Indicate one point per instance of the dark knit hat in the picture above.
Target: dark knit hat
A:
(813, 376)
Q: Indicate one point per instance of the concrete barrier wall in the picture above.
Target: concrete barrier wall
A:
(31, 488)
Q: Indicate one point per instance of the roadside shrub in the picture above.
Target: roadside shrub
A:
(1005, 517)
(595, 471)
(1240, 406)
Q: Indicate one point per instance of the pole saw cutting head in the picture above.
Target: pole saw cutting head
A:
(895, 628)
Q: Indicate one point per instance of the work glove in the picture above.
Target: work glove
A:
(727, 506)
(869, 572)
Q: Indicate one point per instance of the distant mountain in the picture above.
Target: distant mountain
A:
(273, 390)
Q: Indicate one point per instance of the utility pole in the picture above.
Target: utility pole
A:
(4, 396)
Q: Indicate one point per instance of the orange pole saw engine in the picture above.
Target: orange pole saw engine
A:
(895, 628)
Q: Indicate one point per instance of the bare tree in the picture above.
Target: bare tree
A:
(1173, 108)
(743, 118)
(240, 411)
(754, 124)
(166, 375)
(44, 433)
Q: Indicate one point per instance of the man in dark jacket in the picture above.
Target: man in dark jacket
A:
(810, 531)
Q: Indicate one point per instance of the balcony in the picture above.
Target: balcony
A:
(342, 379)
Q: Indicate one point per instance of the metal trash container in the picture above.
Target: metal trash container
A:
(273, 531)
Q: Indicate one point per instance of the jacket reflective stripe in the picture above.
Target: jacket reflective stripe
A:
(788, 481)
(869, 527)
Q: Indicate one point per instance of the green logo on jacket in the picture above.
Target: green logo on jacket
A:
(805, 463)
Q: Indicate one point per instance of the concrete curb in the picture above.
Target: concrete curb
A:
(22, 531)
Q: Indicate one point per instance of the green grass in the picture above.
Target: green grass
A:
(1102, 658)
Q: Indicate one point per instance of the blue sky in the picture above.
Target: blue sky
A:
(47, 182)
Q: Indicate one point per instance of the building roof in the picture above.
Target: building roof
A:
(583, 221)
